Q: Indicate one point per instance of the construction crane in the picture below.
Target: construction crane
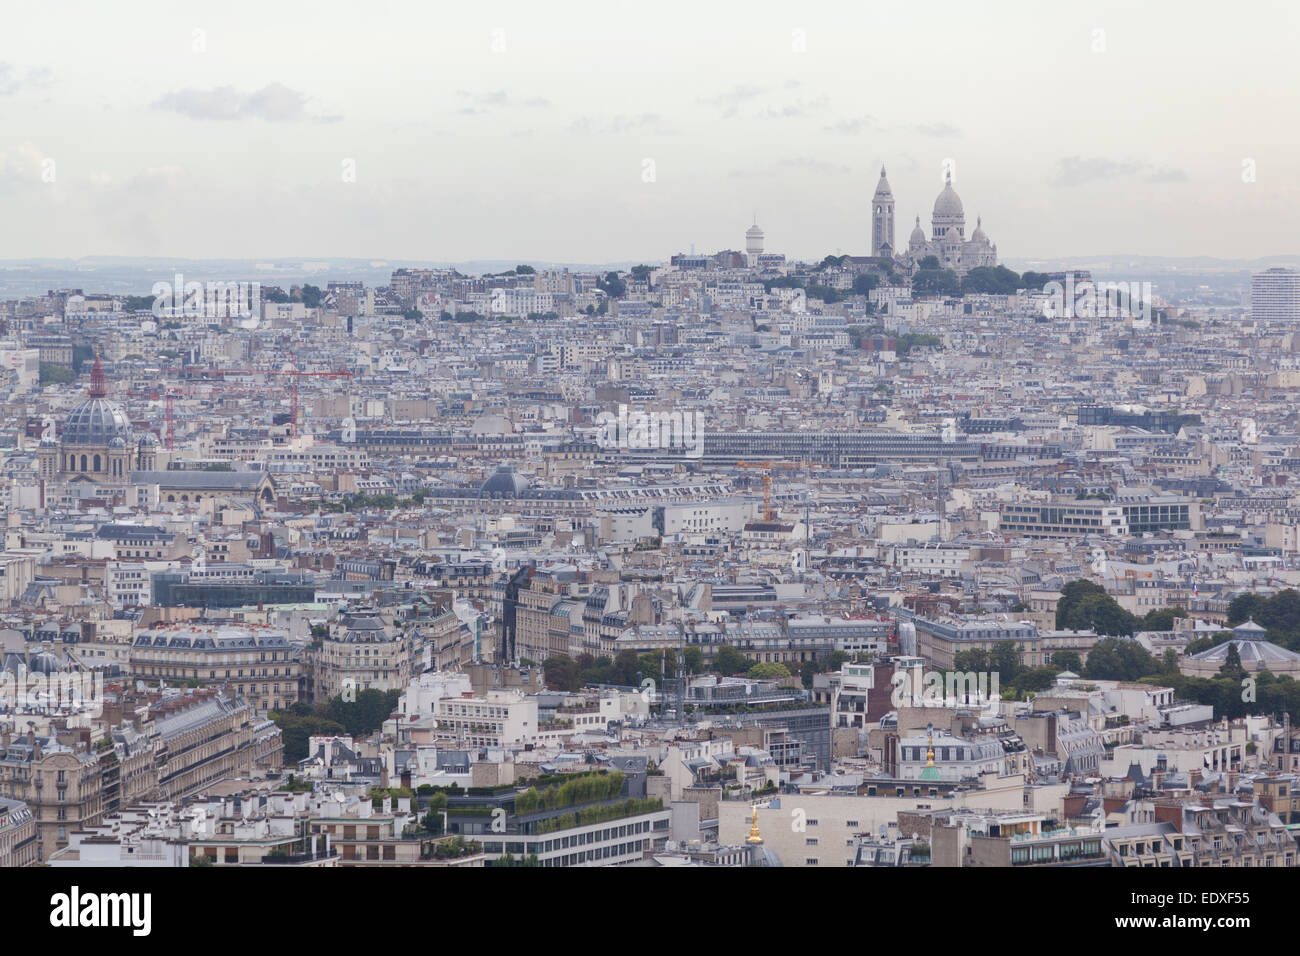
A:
(169, 431)
(293, 374)
(768, 467)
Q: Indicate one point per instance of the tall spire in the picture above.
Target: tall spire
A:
(98, 387)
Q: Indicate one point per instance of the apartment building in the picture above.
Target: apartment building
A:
(362, 651)
(256, 664)
(18, 844)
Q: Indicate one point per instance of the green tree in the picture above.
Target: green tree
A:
(626, 667)
(1067, 661)
(992, 280)
(865, 282)
(1115, 658)
(936, 282)
(728, 661)
(612, 285)
(1161, 619)
(1084, 605)
(767, 670)
(1232, 662)
(51, 374)
(561, 673)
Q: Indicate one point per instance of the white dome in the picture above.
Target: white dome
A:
(948, 205)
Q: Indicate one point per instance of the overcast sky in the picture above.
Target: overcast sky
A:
(604, 131)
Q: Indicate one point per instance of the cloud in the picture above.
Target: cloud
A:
(275, 103)
(12, 80)
(1168, 174)
(1077, 170)
(799, 109)
(731, 100)
(851, 127)
(937, 129)
(618, 124)
(814, 165)
(23, 163)
(477, 104)
(784, 166)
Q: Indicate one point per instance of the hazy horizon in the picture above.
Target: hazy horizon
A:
(236, 131)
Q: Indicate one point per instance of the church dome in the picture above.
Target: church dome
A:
(754, 232)
(96, 421)
(45, 663)
(979, 235)
(948, 205)
(918, 234)
(505, 482)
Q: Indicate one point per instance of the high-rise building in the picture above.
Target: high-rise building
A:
(1275, 295)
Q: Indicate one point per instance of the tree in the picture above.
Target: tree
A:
(1005, 659)
(561, 673)
(768, 670)
(524, 270)
(55, 374)
(993, 280)
(1232, 662)
(728, 661)
(626, 667)
(835, 660)
(806, 673)
(936, 282)
(929, 263)
(1067, 661)
(1084, 605)
(311, 296)
(914, 340)
(826, 293)
(865, 282)
(1161, 619)
(1034, 281)
(693, 660)
(650, 667)
(612, 285)
(1115, 658)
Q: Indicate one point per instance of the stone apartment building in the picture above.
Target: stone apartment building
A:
(18, 845)
(1203, 831)
(62, 786)
(363, 651)
(257, 664)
